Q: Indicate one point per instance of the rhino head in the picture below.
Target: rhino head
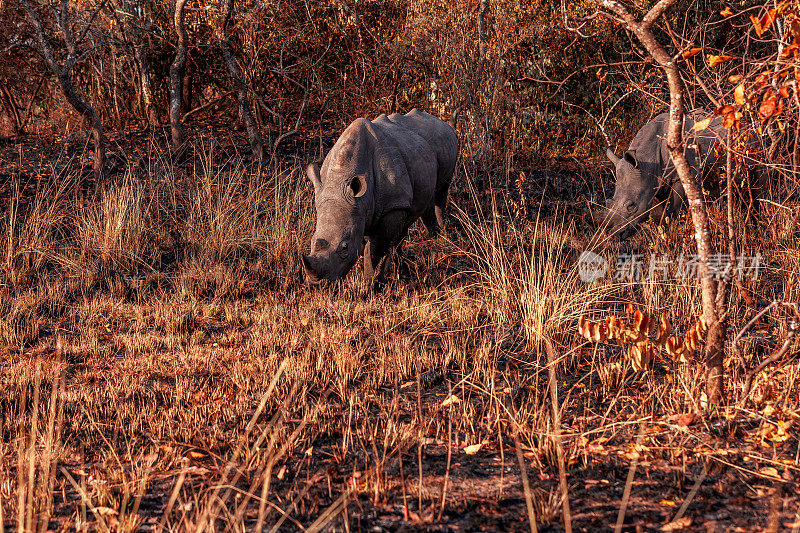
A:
(633, 193)
(343, 200)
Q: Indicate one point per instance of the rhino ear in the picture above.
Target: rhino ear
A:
(612, 156)
(312, 171)
(630, 157)
(358, 185)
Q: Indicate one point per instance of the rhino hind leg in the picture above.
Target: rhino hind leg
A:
(440, 201)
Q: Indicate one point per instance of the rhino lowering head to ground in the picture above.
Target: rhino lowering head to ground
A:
(646, 181)
(377, 180)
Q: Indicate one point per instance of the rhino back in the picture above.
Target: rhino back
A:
(438, 134)
(405, 169)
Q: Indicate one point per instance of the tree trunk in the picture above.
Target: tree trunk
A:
(714, 351)
(176, 74)
(65, 82)
(82, 107)
(246, 113)
(146, 86)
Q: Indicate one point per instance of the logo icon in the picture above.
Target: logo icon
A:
(591, 266)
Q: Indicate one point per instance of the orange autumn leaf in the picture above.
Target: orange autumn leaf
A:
(762, 79)
(738, 94)
(692, 340)
(714, 60)
(729, 120)
(765, 22)
(768, 104)
(691, 52)
(724, 110)
(702, 124)
(664, 329)
(726, 12)
(789, 50)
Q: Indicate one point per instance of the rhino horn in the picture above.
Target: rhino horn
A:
(310, 264)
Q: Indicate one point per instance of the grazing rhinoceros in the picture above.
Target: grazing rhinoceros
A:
(379, 178)
(646, 179)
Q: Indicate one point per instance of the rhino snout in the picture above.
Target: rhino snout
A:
(622, 221)
(328, 267)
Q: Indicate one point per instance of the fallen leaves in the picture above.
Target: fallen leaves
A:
(769, 471)
(676, 525)
(686, 419)
(473, 448)
(451, 400)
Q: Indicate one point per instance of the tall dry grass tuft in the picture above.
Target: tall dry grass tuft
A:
(31, 233)
(121, 229)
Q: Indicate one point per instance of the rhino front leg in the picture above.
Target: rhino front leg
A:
(431, 220)
(389, 232)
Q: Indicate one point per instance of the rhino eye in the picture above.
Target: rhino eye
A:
(631, 207)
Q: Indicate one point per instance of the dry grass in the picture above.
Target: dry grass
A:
(164, 367)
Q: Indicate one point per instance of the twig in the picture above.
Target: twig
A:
(793, 326)
(691, 495)
(206, 105)
(626, 493)
(419, 444)
(284, 135)
(523, 472)
(562, 474)
(449, 450)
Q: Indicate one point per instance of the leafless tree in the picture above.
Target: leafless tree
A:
(643, 30)
(253, 133)
(63, 73)
(136, 24)
(176, 73)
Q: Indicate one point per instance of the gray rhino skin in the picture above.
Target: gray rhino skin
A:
(646, 181)
(377, 180)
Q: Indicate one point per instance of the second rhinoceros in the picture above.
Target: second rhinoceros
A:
(377, 180)
(646, 181)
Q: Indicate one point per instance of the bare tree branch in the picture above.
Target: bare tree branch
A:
(65, 82)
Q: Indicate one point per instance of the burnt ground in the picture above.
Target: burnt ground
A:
(731, 470)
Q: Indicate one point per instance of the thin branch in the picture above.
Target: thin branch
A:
(90, 21)
(47, 49)
(792, 326)
(206, 105)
